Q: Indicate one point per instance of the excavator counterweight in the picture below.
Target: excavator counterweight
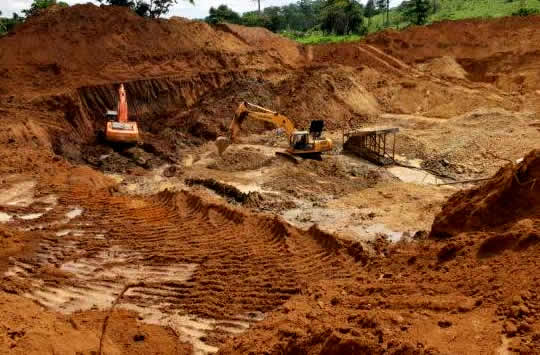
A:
(121, 130)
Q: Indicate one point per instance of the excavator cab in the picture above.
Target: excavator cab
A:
(300, 140)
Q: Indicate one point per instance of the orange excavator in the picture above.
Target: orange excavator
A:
(121, 130)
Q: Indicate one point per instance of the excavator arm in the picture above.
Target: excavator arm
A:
(248, 110)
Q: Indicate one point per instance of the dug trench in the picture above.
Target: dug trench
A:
(245, 252)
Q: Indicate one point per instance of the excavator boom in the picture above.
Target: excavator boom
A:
(247, 110)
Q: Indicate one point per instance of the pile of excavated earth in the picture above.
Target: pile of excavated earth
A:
(168, 247)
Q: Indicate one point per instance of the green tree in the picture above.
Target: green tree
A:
(342, 17)
(8, 24)
(370, 10)
(417, 11)
(383, 6)
(254, 19)
(39, 5)
(3, 29)
(158, 8)
(275, 20)
(435, 6)
(223, 14)
(148, 8)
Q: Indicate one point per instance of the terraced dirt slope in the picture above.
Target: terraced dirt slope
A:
(508, 56)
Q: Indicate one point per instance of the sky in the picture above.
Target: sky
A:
(183, 8)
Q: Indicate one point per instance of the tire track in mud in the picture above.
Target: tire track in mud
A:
(209, 271)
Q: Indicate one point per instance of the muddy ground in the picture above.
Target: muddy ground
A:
(249, 252)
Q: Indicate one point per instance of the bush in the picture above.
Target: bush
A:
(525, 12)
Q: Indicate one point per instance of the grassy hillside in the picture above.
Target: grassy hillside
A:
(319, 38)
(447, 10)
(458, 10)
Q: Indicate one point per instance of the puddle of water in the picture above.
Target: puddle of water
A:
(30, 216)
(414, 176)
(20, 195)
(4, 217)
(380, 228)
(76, 212)
(191, 328)
(64, 232)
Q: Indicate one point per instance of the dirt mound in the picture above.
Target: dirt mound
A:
(511, 195)
(75, 43)
(326, 329)
(167, 66)
(240, 159)
(332, 178)
(184, 79)
(454, 38)
(502, 51)
(445, 67)
(29, 329)
(408, 302)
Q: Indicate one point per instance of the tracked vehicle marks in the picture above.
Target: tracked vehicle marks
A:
(206, 270)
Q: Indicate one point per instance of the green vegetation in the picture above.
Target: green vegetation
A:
(323, 21)
(318, 37)
(39, 5)
(417, 11)
(331, 17)
(146, 8)
(457, 10)
(8, 24)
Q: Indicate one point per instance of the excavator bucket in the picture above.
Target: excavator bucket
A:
(222, 143)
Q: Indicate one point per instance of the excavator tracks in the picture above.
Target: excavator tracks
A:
(204, 269)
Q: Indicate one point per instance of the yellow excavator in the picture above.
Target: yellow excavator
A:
(304, 144)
